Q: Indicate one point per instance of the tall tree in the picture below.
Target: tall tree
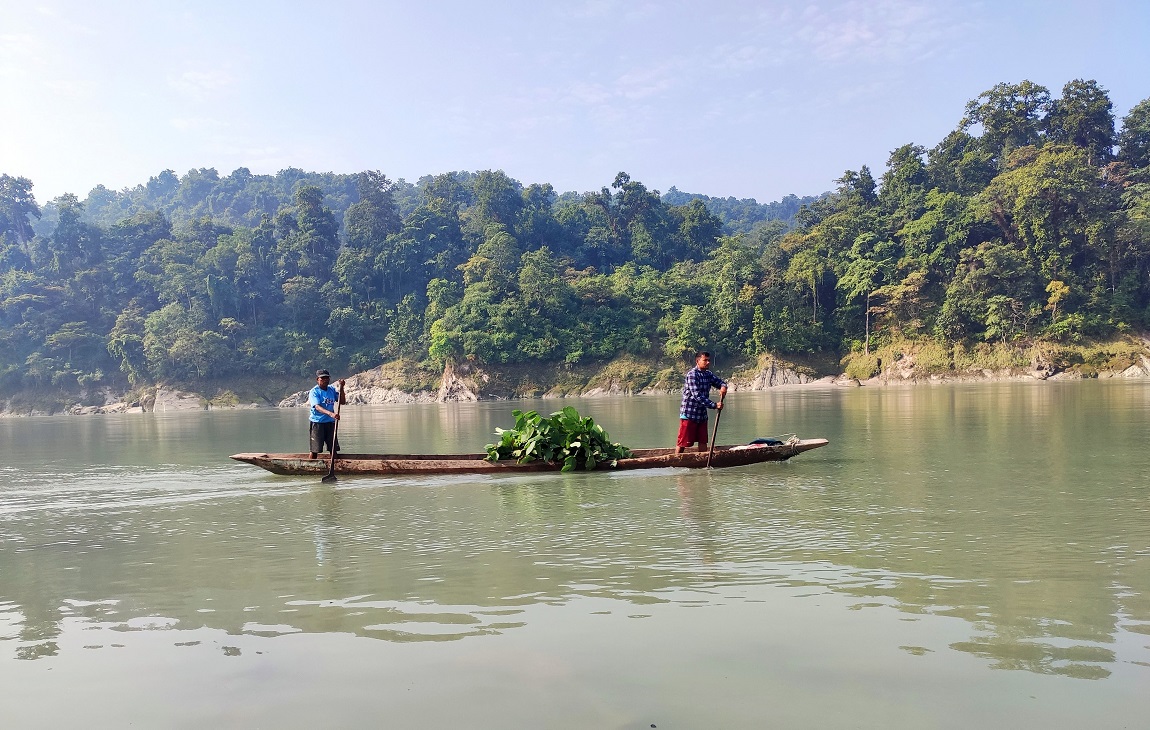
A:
(961, 164)
(17, 206)
(1011, 115)
(498, 198)
(75, 245)
(904, 184)
(362, 265)
(537, 226)
(699, 229)
(311, 242)
(1083, 117)
(374, 217)
(1134, 140)
(1051, 206)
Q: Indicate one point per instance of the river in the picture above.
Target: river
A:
(973, 555)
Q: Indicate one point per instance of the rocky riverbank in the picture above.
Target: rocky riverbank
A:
(632, 378)
(410, 382)
(472, 382)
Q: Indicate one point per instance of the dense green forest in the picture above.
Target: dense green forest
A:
(1030, 221)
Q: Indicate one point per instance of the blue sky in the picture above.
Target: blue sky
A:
(750, 99)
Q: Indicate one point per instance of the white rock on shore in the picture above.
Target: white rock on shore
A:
(467, 382)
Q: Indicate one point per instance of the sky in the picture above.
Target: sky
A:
(725, 98)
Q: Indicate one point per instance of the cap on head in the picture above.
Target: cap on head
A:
(322, 374)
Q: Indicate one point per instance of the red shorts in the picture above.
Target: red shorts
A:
(692, 432)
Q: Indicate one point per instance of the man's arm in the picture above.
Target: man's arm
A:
(718, 383)
(721, 385)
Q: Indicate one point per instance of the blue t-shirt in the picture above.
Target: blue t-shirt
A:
(325, 397)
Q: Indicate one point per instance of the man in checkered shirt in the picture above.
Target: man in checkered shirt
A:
(696, 400)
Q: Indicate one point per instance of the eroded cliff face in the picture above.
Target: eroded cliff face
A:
(906, 370)
(772, 373)
(472, 382)
(458, 384)
(1139, 370)
(408, 382)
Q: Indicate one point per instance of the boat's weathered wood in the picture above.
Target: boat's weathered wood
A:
(381, 464)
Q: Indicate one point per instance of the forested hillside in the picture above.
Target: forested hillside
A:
(1031, 220)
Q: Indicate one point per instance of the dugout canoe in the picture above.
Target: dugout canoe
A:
(384, 464)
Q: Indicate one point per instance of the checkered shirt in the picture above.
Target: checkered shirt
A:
(696, 391)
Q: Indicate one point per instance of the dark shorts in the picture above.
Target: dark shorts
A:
(692, 432)
(322, 435)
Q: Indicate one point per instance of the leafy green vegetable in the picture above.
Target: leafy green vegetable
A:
(563, 436)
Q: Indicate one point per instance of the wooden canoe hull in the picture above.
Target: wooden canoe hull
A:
(383, 464)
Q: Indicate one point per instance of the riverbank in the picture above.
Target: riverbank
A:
(403, 381)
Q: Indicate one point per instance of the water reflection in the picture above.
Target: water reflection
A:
(698, 512)
(327, 538)
(1019, 510)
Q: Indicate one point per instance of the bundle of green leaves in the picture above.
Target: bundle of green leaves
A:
(564, 436)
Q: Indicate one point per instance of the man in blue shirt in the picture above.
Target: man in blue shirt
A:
(696, 400)
(322, 400)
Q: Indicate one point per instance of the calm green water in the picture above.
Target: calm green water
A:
(959, 556)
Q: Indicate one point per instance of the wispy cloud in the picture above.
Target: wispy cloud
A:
(592, 94)
(609, 10)
(539, 122)
(745, 56)
(32, 61)
(890, 31)
(20, 54)
(588, 9)
(636, 84)
(642, 83)
(200, 85)
(853, 31)
(198, 124)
